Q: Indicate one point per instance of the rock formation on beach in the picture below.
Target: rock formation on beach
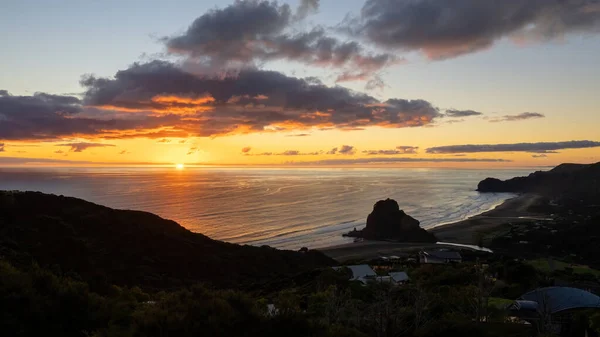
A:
(388, 222)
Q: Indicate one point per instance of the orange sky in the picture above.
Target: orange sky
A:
(293, 93)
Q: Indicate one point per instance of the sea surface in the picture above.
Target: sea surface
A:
(283, 208)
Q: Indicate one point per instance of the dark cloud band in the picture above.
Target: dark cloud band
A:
(543, 147)
(392, 160)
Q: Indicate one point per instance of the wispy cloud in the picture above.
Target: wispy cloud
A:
(36, 161)
(462, 113)
(397, 151)
(80, 147)
(246, 149)
(542, 147)
(290, 153)
(519, 117)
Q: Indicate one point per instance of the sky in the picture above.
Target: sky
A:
(460, 83)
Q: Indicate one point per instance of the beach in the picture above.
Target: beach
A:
(461, 232)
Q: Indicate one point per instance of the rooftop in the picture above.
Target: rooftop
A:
(558, 299)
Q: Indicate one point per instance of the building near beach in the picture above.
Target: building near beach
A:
(555, 309)
(361, 272)
(439, 256)
(399, 277)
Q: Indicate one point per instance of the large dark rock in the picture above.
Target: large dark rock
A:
(388, 222)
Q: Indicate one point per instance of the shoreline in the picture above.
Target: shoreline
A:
(513, 209)
(460, 232)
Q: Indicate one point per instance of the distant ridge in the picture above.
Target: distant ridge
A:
(123, 247)
(565, 180)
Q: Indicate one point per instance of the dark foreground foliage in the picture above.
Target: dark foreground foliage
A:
(130, 248)
(38, 302)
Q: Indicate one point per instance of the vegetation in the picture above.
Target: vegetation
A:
(105, 246)
(39, 302)
(72, 268)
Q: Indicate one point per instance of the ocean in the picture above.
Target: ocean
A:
(279, 207)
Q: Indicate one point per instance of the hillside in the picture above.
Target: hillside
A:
(107, 246)
(580, 181)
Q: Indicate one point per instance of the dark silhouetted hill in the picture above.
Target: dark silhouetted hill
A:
(566, 180)
(123, 247)
(388, 222)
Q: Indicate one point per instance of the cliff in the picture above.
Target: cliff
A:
(388, 222)
(566, 180)
(109, 246)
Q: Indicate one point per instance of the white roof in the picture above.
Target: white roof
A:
(360, 271)
(399, 276)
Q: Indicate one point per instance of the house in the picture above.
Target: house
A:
(555, 309)
(361, 272)
(439, 256)
(399, 277)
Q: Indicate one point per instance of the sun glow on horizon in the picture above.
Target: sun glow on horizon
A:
(179, 166)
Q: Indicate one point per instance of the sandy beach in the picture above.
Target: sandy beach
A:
(462, 232)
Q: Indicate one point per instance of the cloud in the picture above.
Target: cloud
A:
(59, 151)
(80, 147)
(542, 147)
(249, 101)
(399, 150)
(1, 147)
(306, 8)
(539, 156)
(391, 160)
(43, 116)
(246, 149)
(347, 150)
(164, 140)
(182, 141)
(519, 117)
(288, 153)
(36, 161)
(299, 135)
(462, 113)
(192, 150)
(124, 152)
(252, 31)
(343, 150)
(447, 29)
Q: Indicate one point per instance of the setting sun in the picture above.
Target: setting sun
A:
(179, 166)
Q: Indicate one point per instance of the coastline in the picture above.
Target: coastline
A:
(460, 232)
(513, 209)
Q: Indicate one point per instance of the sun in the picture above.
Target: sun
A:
(179, 166)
